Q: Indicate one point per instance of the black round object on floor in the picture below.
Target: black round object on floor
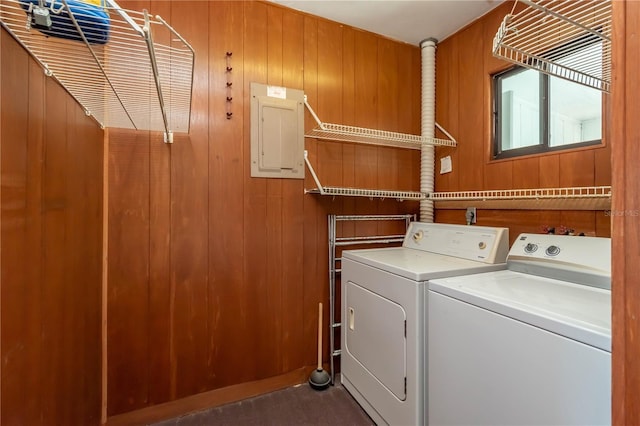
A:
(319, 379)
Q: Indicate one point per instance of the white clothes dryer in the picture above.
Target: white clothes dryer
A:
(530, 345)
(383, 357)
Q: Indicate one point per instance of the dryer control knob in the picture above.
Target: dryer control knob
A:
(552, 250)
(482, 245)
(417, 236)
(530, 248)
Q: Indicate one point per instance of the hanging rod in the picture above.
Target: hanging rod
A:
(357, 192)
(109, 60)
(342, 133)
(565, 39)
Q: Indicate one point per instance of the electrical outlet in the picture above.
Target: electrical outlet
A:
(471, 215)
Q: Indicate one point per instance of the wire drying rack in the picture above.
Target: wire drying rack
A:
(335, 264)
(141, 78)
(566, 39)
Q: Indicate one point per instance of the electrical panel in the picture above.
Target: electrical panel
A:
(277, 132)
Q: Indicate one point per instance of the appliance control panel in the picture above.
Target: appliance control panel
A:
(563, 252)
(479, 243)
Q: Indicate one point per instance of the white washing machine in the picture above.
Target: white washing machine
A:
(383, 312)
(530, 345)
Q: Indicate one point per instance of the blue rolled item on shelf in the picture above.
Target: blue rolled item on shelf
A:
(93, 20)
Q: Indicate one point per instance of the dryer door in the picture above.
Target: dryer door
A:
(376, 337)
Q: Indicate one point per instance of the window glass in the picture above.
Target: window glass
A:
(520, 112)
(575, 110)
(535, 112)
(575, 113)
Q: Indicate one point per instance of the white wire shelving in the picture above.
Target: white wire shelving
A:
(567, 198)
(566, 39)
(358, 192)
(570, 198)
(343, 133)
(139, 76)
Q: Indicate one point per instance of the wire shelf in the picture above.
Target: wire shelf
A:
(524, 194)
(370, 193)
(575, 198)
(565, 39)
(343, 133)
(139, 78)
(357, 192)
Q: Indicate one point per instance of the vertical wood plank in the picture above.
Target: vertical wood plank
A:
(446, 111)
(625, 226)
(366, 115)
(2, 36)
(470, 153)
(549, 171)
(230, 308)
(498, 175)
(189, 214)
(160, 314)
(526, 173)
(127, 305)
(255, 201)
(602, 165)
(55, 241)
(312, 219)
(389, 109)
(34, 233)
(14, 155)
(348, 117)
(329, 101)
(577, 168)
(274, 225)
(90, 148)
(292, 212)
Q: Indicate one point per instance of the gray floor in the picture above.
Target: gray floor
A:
(298, 405)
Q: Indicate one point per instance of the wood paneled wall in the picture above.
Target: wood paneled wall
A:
(214, 276)
(51, 245)
(464, 65)
(626, 209)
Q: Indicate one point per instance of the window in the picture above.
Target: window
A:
(535, 112)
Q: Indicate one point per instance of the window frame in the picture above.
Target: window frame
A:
(545, 107)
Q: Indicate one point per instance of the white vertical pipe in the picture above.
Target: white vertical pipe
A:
(427, 158)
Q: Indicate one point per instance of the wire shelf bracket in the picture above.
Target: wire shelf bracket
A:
(140, 76)
(343, 133)
(358, 192)
(565, 39)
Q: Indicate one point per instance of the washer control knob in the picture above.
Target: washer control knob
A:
(417, 236)
(482, 245)
(530, 248)
(552, 250)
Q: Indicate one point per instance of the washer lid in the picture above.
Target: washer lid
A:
(576, 311)
(418, 265)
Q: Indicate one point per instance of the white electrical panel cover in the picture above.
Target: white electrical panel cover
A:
(277, 132)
